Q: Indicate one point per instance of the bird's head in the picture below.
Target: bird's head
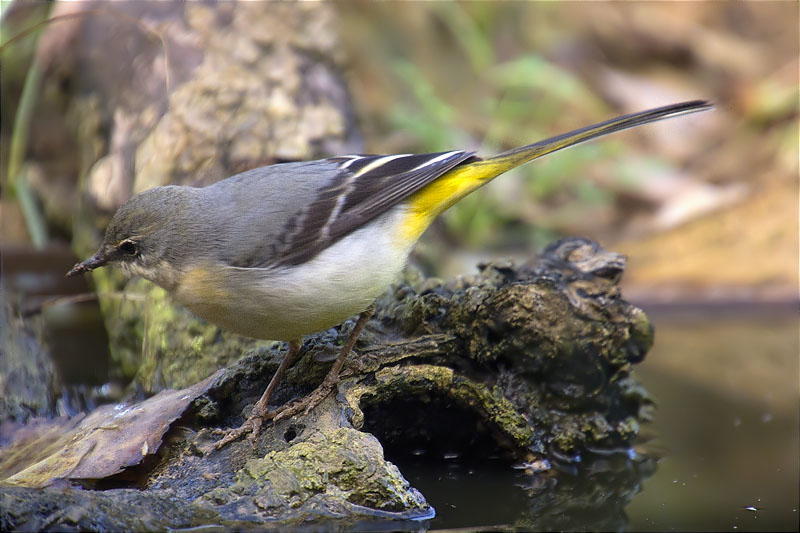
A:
(142, 236)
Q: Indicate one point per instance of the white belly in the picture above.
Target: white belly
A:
(290, 302)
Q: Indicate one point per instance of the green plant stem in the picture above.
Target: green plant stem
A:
(19, 142)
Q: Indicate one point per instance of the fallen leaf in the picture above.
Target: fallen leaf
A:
(94, 446)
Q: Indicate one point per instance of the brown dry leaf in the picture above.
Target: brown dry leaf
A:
(94, 446)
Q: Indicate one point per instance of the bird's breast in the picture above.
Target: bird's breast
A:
(288, 302)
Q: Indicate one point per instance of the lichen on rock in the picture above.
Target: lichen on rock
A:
(341, 471)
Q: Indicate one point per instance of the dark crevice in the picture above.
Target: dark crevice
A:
(432, 425)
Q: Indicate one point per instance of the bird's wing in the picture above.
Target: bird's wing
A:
(360, 188)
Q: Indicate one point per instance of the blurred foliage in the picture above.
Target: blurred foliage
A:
(499, 116)
(491, 76)
(22, 64)
(430, 112)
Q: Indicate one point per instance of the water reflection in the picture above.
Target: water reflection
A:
(481, 494)
(727, 423)
(722, 452)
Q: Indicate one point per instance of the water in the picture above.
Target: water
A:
(727, 423)
(725, 443)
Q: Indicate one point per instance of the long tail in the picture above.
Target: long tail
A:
(436, 197)
(517, 156)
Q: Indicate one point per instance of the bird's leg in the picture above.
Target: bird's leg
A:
(253, 423)
(260, 413)
(331, 379)
(260, 408)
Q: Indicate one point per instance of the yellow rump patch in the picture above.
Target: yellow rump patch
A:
(435, 198)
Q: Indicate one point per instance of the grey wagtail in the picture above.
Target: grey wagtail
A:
(286, 250)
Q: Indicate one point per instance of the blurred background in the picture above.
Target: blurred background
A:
(692, 201)
(705, 207)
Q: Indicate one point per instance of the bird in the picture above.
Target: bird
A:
(286, 250)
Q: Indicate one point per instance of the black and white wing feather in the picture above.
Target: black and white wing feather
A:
(365, 187)
(309, 206)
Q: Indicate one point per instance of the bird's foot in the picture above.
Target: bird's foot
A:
(310, 401)
(252, 426)
(260, 412)
(331, 379)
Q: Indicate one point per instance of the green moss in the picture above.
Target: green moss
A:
(401, 381)
(628, 428)
(340, 465)
(567, 436)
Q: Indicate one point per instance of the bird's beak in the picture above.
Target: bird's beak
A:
(97, 260)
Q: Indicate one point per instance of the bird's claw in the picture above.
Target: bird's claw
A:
(252, 426)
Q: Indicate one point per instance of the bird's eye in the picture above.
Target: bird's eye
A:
(127, 247)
